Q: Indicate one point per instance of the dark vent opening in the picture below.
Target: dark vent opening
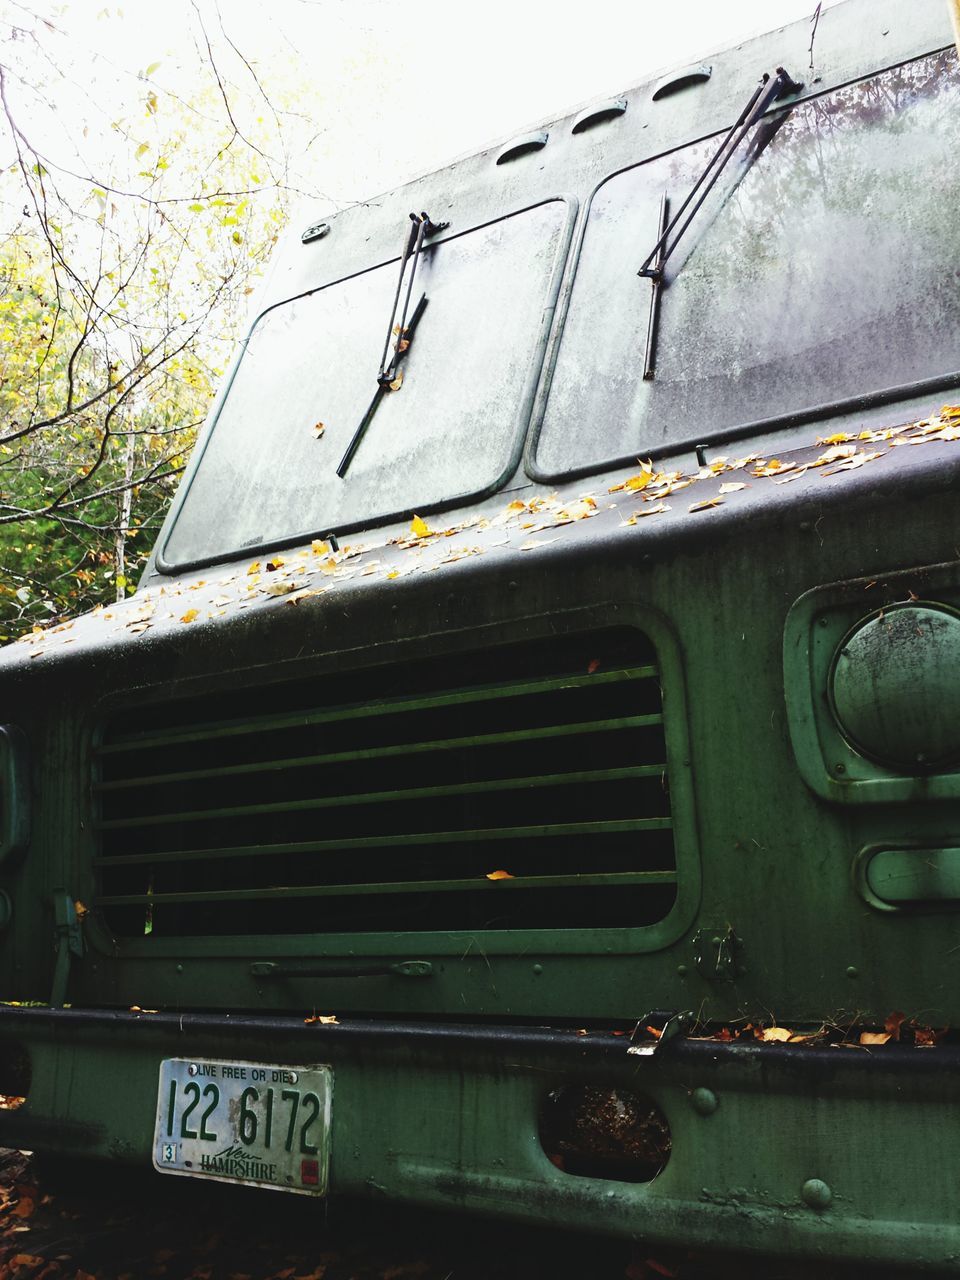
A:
(280, 810)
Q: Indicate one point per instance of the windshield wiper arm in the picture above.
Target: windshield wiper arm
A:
(383, 385)
(766, 93)
(421, 226)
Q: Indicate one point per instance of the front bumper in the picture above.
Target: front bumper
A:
(833, 1152)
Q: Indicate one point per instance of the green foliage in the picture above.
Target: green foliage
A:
(120, 299)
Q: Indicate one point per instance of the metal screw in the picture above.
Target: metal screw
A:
(840, 768)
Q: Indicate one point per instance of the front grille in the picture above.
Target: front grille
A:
(395, 798)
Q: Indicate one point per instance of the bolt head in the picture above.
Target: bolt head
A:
(816, 1193)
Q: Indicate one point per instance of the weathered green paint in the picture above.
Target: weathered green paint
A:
(813, 883)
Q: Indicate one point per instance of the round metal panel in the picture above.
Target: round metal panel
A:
(894, 688)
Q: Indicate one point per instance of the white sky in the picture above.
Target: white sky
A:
(405, 87)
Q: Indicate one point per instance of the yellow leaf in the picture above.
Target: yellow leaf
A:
(638, 481)
(325, 1019)
(841, 437)
(732, 486)
(275, 563)
(255, 567)
(420, 527)
(778, 1034)
(190, 615)
(80, 909)
(499, 875)
(319, 548)
(397, 383)
(706, 504)
(835, 453)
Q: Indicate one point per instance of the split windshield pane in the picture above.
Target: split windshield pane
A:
(267, 473)
(823, 266)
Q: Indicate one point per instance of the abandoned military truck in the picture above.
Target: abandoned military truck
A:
(527, 777)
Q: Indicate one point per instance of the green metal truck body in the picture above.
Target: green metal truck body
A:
(612, 685)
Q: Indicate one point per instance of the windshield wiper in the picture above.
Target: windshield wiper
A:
(401, 330)
(766, 93)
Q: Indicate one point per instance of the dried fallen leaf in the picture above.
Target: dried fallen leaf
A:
(499, 875)
(305, 595)
(536, 543)
(874, 1037)
(280, 588)
(254, 567)
(319, 428)
(732, 486)
(706, 504)
(592, 666)
(190, 615)
(397, 383)
(24, 1208)
(420, 527)
(772, 468)
(324, 1019)
(773, 1034)
(276, 562)
(893, 1022)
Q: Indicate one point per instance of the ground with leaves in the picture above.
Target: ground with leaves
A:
(120, 1226)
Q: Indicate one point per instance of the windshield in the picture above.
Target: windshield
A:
(453, 429)
(822, 267)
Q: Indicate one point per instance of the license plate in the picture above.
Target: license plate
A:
(249, 1122)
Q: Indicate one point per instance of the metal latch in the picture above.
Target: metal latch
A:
(717, 954)
(676, 1024)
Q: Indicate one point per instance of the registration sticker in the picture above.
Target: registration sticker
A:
(258, 1123)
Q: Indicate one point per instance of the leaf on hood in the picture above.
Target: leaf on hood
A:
(893, 1022)
(874, 1037)
(190, 615)
(706, 504)
(419, 527)
(499, 875)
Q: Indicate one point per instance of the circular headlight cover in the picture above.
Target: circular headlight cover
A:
(894, 686)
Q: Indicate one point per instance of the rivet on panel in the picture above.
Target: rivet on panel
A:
(538, 969)
(816, 1193)
(853, 971)
(704, 1101)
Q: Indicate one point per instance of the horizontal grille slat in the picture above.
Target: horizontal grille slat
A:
(459, 697)
(394, 793)
(397, 839)
(622, 879)
(386, 797)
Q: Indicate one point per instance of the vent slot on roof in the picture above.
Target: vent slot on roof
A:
(280, 811)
